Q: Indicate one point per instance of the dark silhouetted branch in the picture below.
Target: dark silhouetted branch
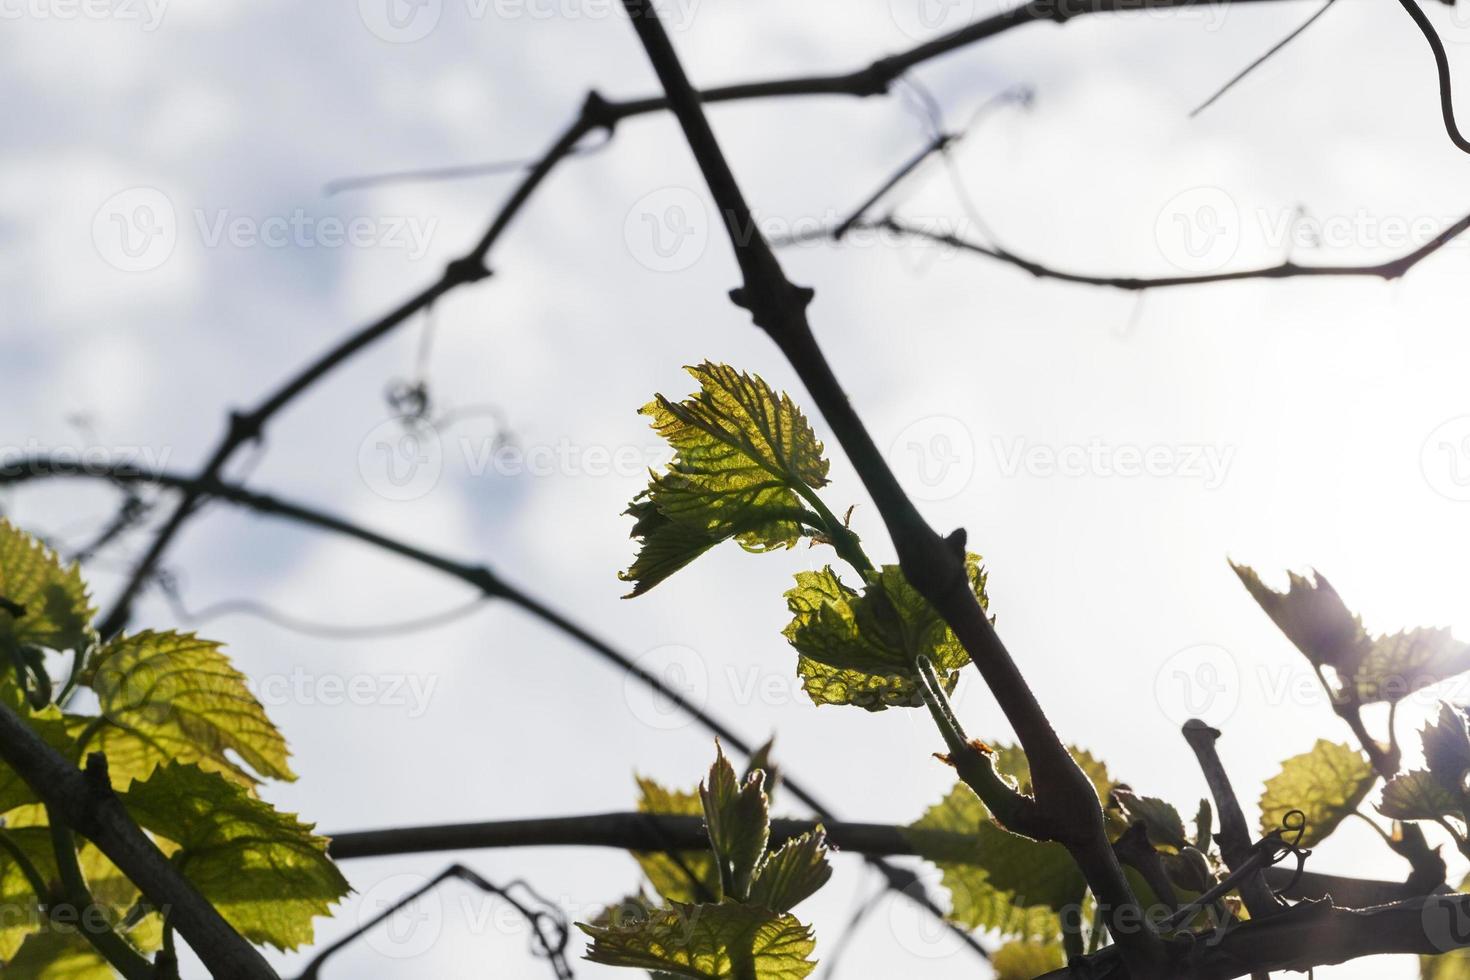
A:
(85, 803)
(1442, 67)
(490, 586)
(633, 831)
(1065, 798)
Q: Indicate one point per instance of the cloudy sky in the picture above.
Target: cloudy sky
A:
(169, 253)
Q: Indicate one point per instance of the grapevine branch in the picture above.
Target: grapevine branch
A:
(1388, 271)
(1066, 803)
(85, 803)
(597, 114)
(635, 831)
(490, 585)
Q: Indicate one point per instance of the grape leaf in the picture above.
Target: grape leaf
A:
(52, 954)
(57, 612)
(743, 455)
(859, 647)
(792, 873)
(1025, 961)
(1326, 784)
(173, 696)
(1369, 669)
(708, 942)
(265, 871)
(685, 876)
(1164, 825)
(1418, 795)
(738, 821)
(1447, 748)
(1450, 966)
(975, 901)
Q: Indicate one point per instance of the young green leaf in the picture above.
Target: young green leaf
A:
(949, 835)
(1369, 669)
(690, 877)
(1025, 961)
(860, 647)
(173, 696)
(792, 873)
(46, 604)
(744, 457)
(737, 818)
(1418, 795)
(727, 941)
(265, 871)
(52, 954)
(1326, 784)
(1447, 748)
(1163, 823)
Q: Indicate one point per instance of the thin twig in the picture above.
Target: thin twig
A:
(1261, 60)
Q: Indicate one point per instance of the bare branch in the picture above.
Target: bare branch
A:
(85, 803)
(1442, 66)
(633, 831)
(490, 586)
(934, 566)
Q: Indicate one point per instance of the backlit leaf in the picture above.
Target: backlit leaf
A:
(708, 942)
(743, 454)
(265, 871)
(1026, 961)
(1419, 796)
(1368, 669)
(57, 613)
(173, 696)
(792, 873)
(738, 821)
(690, 877)
(860, 647)
(1326, 784)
